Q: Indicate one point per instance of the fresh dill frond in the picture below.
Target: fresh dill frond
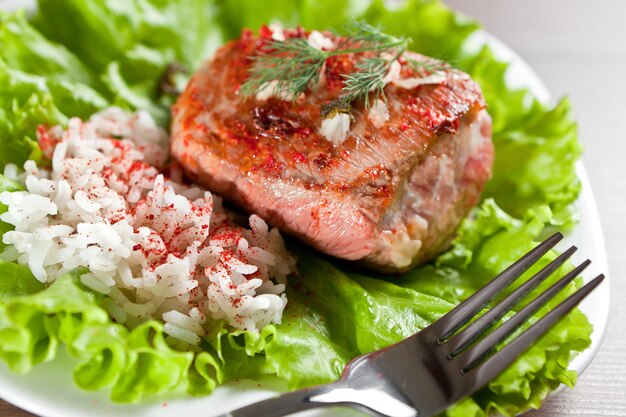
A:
(294, 64)
(362, 35)
(427, 67)
(368, 78)
(291, 66)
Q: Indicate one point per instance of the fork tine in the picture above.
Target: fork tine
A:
(497, 363)
(461, 314)
(463, 339)
(474, 354)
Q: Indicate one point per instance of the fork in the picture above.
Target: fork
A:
(440, 365)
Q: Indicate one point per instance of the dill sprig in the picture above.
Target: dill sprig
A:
(293, 66)
(427, 67)
(360, 36)
(368, 78)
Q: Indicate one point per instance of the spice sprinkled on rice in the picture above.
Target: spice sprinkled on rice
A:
(155, 247)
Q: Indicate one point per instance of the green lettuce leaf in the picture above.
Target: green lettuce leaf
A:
(536, 145)
(40, 83)
(304, 343)
(235, 15)
(17, 280)
(129, 45)
(435, 30)
(22, 109)
(27, 50)
(132, 363)
(111, 28)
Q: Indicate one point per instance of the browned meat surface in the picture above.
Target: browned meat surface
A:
(390, 197)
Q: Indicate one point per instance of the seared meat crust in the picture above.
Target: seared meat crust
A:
(390, 197)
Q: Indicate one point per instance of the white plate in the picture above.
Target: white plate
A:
(50, 392)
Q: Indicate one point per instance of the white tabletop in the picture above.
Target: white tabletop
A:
(578, 48)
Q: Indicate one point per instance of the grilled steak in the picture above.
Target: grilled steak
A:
(390, 196)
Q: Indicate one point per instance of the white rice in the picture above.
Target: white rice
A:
(156, 248)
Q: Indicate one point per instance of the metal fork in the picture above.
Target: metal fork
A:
(440, 365)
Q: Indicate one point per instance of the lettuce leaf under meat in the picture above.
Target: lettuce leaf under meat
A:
(332, 316)
(74, 58)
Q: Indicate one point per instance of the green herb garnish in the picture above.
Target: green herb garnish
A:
(294, 66)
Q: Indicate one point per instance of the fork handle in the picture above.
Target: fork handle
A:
(285, 404)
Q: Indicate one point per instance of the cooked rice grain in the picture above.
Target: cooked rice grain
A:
(156, 248)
